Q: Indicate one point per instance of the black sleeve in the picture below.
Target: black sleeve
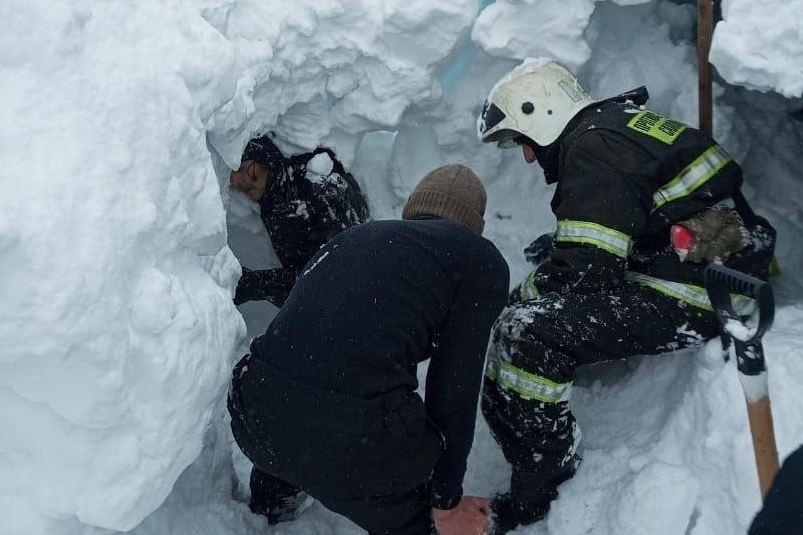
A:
(782, 512)
(456, 367)
(273, 285)
(605, 195)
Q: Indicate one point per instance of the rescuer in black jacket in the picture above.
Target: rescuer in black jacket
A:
(326, 400)
(304, 201)
(643, 203)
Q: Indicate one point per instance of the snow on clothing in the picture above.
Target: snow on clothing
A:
(374, 302)
(302, 209)
(613, 286)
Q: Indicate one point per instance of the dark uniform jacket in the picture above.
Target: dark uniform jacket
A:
(378, 299)
(782, 512)
(624, 176)
(301, 210)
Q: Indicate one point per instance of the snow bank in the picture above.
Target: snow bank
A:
(769, 60)
(120, 123)
(116, 320)
(330, 70)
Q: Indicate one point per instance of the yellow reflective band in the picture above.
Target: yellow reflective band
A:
(692, 176)
(775, 267)
(528, 289)
(692, 294)
(527, 385)
(654, 125)
(613, 241)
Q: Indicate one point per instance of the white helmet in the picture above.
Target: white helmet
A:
(537, 99)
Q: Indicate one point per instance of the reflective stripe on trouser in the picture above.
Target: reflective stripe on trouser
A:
(689, 293)
(538, 439)
(535, 349)
(527, 385)
(528, 289)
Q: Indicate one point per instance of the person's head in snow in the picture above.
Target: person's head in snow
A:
(613, 280)
(326, 402)
(304, 200)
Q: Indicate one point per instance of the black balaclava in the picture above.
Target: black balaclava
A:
(263, 151)
(548, 155)
(548, 159)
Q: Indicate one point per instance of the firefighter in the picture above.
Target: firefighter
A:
(643, 203)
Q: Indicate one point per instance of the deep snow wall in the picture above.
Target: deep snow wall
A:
(121, 121)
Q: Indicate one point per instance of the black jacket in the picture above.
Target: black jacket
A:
(301, 210)
(378, 299)
(624, 176)
(782, 512)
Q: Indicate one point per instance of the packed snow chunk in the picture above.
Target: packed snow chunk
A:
(319, 167)
(535, 28)
(771, 58)
(153, 306)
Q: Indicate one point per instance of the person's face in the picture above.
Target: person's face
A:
(251, 178)
(527, 149)
(529, 153)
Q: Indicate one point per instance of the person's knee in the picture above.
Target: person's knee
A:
(526, 331)
(494, 402)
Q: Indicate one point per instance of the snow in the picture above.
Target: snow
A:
(120, 239)
(770, 59)
(319, 167)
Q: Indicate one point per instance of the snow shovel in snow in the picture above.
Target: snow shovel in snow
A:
(745, 337)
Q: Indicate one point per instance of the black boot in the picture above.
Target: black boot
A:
(286, 509)
(274, 498)
(508, 513)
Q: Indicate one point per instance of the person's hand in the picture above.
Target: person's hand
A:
(469, 517)
(540, 249)
(245, 288)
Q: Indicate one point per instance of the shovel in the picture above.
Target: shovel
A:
(721, 282)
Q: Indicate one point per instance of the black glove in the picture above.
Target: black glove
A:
(273, 285)
(540, 249)
(246, 287)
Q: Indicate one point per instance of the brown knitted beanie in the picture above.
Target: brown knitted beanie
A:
(453, 192)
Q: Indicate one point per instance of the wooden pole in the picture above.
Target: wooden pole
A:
(761, 428)
(705, 30)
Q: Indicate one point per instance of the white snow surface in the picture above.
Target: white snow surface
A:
(770, 58)
(118, 236)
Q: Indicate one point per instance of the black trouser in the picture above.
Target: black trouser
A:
(782, 513)
(369, 460)
(537, 346)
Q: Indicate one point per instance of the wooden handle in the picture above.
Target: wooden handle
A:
(759, 413)
(705, 29)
